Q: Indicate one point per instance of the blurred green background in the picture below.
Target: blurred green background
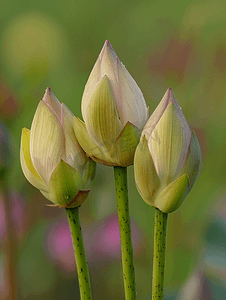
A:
(178, 44)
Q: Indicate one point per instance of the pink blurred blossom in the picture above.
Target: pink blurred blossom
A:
(106, 240)
(101, 239)
(59, 245)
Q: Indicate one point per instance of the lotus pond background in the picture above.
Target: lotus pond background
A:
(179, 44)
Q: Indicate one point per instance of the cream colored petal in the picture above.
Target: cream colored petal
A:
(160, 109)
(129, 99)
(146, 178)
(51, 100)
(193, 160)
(26, 162)
(108, 59)
(64, 184)
(84, 140)
(94, 77)
(125, 145)
(105, 65)
(173, 195)
(168, 145)
(75, 155)
(47, 145)
(102, 121)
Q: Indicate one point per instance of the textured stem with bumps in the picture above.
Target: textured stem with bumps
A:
(125, 232)
(80, 256)
(159, 254)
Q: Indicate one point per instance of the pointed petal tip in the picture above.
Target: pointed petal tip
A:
(47, 94)
(107, 43)
(169, 98)
(47, 91)
(170, 95)
(107, 46)
(51, 101)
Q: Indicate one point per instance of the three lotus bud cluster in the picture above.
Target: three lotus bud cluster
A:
(58, 154)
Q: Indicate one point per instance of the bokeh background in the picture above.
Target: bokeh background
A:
(178, 44)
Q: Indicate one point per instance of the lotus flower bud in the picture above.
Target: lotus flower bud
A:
(168, 157)
(114, 111)
(51, 157)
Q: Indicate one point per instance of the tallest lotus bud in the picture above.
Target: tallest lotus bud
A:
(129, 100)
(114, 111)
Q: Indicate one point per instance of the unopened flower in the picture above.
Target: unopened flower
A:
(167, 158)
(114, 111)
(51, 157)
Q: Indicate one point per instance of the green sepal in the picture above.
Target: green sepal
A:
(89, 172)
(85, 142)
(173, 195)
(64, 184)
(146, 177)
(126, 144)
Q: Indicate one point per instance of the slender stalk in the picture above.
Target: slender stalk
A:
(159, 254)
(80, 256)
(125, 232)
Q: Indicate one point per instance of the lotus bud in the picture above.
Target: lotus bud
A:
(114, 111)
(51, 157)
(167, 158)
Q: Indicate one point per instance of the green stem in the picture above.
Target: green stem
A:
(125, 232)
(80, 256)
(159, 254)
